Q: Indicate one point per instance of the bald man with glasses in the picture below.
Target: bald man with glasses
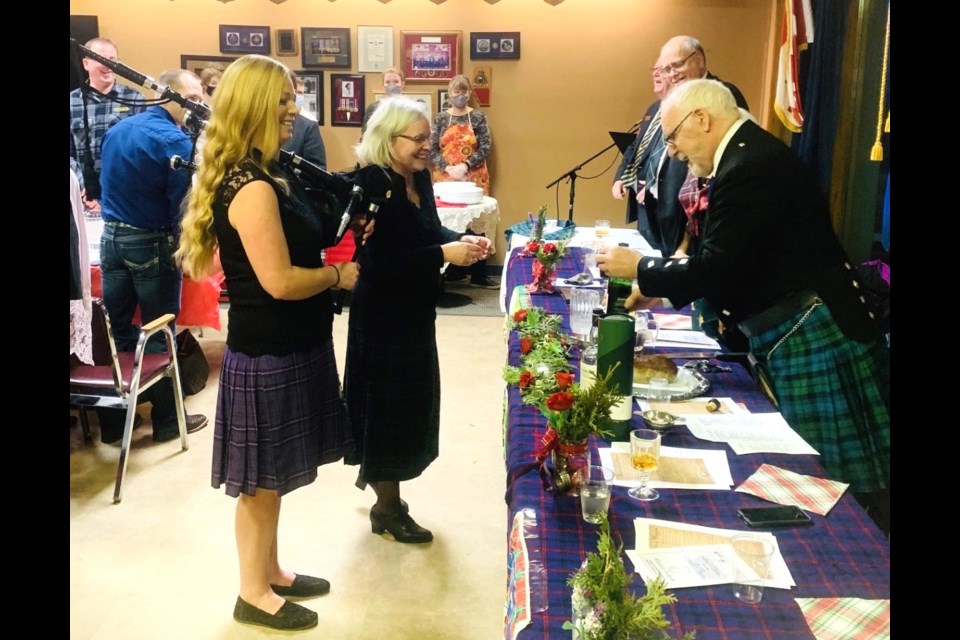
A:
(770, 263)
(681, 58)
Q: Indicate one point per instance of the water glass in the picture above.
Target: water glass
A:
(601, 228)
(595, 489)
(648, 329)
(751, 561)
(659, 390)
(582, 304)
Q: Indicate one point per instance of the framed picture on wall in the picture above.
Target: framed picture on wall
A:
(312, 94)
(236, 38)
(425, 97)
(198, 63)
(495, 45)
(286, 42)
(443, 103)
(374, 48)
(347, 99)
(325, 47)
(430, 56)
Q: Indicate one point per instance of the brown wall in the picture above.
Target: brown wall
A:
(584, 70)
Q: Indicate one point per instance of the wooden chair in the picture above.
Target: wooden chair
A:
(116, 379)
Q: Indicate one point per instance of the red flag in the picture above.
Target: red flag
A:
(796, 34)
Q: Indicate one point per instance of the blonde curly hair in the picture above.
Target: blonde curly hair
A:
(243, 118)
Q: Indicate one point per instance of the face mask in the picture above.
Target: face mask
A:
(393, 89)
(300, 101)
(209, 90)
(460, 101)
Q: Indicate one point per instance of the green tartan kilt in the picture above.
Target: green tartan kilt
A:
(834, 392)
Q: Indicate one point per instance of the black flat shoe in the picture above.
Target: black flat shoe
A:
(303, 587)
(400, 525)
(290, 617)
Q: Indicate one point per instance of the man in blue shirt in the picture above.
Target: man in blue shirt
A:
(140, 207)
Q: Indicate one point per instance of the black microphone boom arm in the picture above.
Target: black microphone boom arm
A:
(127, 73)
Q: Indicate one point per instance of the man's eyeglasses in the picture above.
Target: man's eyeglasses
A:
(420, 139)
(676, 66)
(670, 140)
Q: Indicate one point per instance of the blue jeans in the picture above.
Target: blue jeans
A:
(137, 268)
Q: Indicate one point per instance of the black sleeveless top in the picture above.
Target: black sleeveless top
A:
(259, 324)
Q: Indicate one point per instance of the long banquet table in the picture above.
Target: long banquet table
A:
(844, 554)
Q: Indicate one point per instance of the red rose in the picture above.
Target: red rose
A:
(533, 247)
(526, 345)
(564, 379)
(526, 379)
(549, 248)
(560, 401)
(520, 315)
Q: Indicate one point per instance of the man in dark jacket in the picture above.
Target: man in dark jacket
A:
(768, 261)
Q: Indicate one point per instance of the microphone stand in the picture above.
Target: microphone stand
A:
(127, 73)
(572, 174)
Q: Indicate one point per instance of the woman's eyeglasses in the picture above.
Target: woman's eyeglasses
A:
(420, 139)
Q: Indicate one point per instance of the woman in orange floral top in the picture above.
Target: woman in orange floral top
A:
(461, 145)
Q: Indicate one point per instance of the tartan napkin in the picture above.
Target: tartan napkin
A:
(786, 487)
(672, 320)
(846, 618)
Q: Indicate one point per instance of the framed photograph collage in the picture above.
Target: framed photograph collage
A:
(426, 57)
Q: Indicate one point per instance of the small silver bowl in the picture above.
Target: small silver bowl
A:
(660, 420)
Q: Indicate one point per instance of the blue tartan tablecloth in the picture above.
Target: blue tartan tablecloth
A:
(842, 555)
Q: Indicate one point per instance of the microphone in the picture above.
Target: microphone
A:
(127, 73)
(194, 123)
(355, 194)
(317, 177)
(176, 163)
(372, 209)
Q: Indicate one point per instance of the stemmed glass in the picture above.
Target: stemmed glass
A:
(644, 456)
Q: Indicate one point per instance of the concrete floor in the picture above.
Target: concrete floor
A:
(162, 563)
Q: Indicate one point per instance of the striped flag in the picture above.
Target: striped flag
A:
(796, 34)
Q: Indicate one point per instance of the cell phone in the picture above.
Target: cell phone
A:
(769, 517)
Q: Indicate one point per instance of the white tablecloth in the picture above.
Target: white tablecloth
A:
(481, 217)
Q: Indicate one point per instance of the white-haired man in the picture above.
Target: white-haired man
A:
(768, 261)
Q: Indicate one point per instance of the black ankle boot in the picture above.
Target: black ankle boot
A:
(400, 525)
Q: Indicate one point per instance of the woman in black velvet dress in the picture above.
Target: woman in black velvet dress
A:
(392, 373)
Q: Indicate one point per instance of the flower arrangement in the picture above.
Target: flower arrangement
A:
(546, 255)
(535, 323)
(603, 606)
(538, 223)
(544, 380)
(575, 412)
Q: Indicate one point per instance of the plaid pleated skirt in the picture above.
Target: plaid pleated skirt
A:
(392, 389)
(278, 419)
(834, 392)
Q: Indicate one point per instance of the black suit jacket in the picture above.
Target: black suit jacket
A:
(766, 233)
(306, 141)
(635, 211)
(666, 218)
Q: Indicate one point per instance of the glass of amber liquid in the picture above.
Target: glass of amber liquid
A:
(645, 457)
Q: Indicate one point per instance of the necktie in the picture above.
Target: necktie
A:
(693, 199)
(629, 177)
